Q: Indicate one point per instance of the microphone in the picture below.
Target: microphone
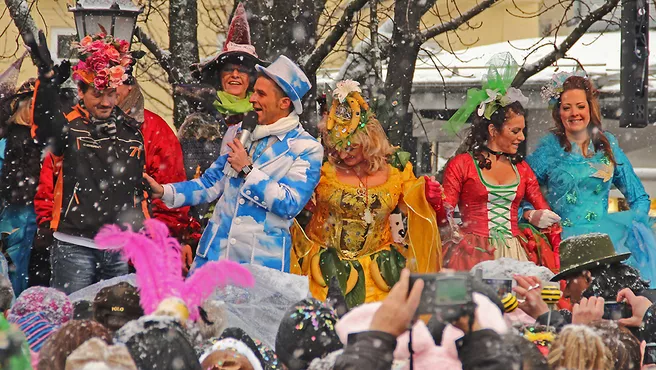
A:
(248, 125)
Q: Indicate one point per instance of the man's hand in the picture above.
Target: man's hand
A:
(588, 310)
(156, 190)
(187, 258)
(238, 158)
(40, 54)
(396, 313)
(639, 306)
(43, 238)
(529, 294)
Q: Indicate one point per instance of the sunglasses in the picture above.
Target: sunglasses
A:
(231, 67)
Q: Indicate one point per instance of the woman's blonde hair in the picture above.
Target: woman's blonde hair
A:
(579, 347)
(376, 148)
(22, 115)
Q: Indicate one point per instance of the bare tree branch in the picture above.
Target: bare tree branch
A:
(163, 56)
(559, 51)
(453, 24)
(320, 52)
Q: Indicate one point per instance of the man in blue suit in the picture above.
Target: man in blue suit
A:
(277, 175)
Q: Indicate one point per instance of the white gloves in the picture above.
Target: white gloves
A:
(541, 218)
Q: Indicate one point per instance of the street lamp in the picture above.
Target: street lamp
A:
(117, 17)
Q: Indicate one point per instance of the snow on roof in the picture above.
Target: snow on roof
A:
(105, 4)
(599, 53)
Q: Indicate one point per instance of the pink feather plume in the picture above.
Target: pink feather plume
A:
(212, 275)
(159, 233)
(156, 257)
(156, 278)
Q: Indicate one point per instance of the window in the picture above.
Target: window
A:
(61, 40)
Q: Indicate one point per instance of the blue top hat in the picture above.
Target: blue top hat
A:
(293, 82)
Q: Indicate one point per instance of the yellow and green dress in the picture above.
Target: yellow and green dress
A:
(349, 236)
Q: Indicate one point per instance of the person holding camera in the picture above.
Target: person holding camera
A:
(594, 275)
(102, 154)
(488, 182)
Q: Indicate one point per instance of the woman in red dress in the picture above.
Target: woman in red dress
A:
(488, 182)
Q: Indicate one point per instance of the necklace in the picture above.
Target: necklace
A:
(363, 192)
(496, 153)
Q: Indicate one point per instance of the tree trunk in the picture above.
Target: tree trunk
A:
(404, 48)
(183, 46)
(284, 27)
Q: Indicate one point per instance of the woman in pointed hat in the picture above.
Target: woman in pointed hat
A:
(488, 182)
(578, 162)
(362, 183)
(232, 73)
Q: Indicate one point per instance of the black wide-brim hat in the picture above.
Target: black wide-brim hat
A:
(585, 252)
(208, 72)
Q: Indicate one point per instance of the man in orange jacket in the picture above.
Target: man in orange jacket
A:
(163, 162)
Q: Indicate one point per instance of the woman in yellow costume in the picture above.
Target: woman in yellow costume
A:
(362, 183)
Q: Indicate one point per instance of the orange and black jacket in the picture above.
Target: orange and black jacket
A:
(100, 179)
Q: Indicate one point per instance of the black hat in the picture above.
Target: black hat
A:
(158, 343)
(117, 304)
(583, 252)
(307, 331)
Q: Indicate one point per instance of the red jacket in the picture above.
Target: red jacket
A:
(163, 163)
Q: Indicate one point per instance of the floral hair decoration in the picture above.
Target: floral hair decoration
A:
(495, 92)
(105, 62)
(552, 90)
(348, 113)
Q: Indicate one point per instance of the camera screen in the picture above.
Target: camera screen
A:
(500, 286)
(442, 292)
(615, 311)
(650, 354)
(449, 291)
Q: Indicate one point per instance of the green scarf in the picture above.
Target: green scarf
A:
(229, 104)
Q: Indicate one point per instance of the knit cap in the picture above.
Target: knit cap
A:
(307, 331)
(36, 328)
(235, 340)
(53, 304)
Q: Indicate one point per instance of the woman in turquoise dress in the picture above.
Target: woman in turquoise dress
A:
(577, 163)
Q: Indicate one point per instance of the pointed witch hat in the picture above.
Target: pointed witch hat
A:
(237, 49)
(9, 78)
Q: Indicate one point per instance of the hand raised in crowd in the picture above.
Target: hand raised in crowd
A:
(238, 158)
(541, 218)
(397, 312)
(40, 54)
(529, 295)
(588, 310)
(639, 306)
(156, 190)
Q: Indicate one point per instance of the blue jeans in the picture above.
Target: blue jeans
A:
(75, 267)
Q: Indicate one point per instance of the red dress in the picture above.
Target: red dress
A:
(489, 214)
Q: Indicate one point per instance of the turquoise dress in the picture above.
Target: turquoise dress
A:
(577, 189)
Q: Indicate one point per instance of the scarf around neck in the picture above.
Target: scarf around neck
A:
(229, 104)
(280, 127)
